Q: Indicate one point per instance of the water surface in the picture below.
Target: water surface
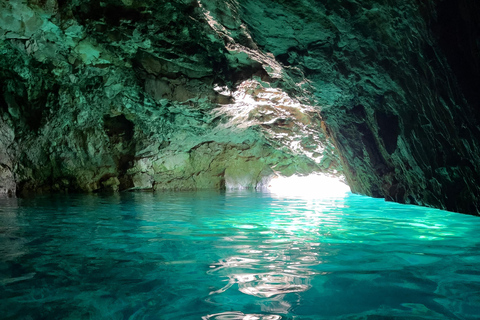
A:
(235, 255)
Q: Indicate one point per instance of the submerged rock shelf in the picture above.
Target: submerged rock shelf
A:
(175, 95)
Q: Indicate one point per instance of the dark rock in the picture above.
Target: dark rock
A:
(160, 95)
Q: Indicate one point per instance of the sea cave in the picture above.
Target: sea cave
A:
(239, 159)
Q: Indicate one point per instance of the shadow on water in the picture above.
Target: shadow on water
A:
(234, 255)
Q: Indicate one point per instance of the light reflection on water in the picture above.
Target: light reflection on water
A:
(235, 255)
(272, 257)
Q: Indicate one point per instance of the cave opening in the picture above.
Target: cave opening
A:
(313, 186)
(201, 149)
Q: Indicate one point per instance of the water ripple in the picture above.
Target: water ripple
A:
(238, 255)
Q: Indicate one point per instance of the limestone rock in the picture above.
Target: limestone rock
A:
(7, 180)
(168, 95)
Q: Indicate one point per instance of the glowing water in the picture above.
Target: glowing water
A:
(236, 255)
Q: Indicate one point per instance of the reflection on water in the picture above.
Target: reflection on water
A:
(240, 316)
(12, 242)
(237, 255)
(272, 253)
(272, 257)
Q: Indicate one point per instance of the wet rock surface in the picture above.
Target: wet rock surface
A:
(174, 95)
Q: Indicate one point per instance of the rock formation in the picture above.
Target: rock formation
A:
(168, 95)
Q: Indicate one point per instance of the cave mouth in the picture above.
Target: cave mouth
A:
(309, 186)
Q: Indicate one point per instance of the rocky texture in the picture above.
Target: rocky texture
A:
(117, 95)
(456, 25)
(165, 95)
(392, 108)
(7, 180)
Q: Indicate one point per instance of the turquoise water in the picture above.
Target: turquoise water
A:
(235, 255)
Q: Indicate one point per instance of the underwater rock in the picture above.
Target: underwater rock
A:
(170, 95)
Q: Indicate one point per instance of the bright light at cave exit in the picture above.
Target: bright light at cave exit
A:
(314, 185)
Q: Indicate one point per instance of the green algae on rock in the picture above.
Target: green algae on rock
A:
(170, 95)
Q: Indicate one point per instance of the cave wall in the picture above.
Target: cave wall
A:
(456, 26)
(165, 95)
(387, 93)
(108, 96)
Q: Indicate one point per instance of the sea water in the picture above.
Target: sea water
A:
(235, 255)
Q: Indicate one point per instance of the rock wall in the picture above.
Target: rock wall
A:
(184, 94)
(386, 92)
(107, 96)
